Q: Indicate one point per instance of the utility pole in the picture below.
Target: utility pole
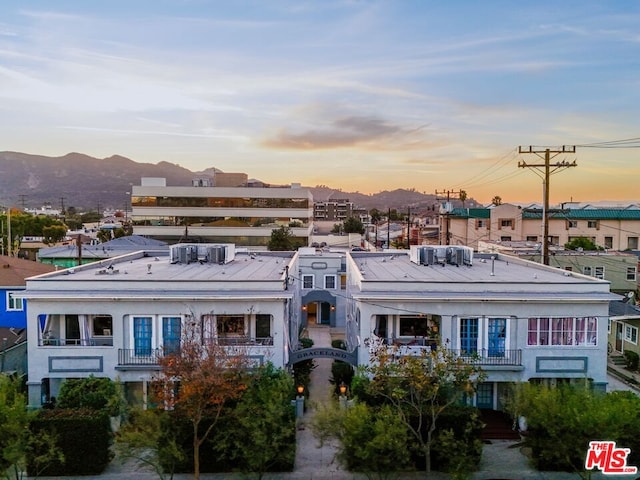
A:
(549, 168)
(449, 193)
(408, 228)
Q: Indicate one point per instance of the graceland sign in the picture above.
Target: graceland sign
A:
(320, 352)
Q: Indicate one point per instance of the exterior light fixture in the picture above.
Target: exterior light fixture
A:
(343, 389)
(300, 389)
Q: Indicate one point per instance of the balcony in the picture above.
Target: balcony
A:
(490, 358)
(76, 342)
(132, 357)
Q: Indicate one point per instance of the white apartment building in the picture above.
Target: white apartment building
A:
(204, 213)
(521, 321)
(115, 318)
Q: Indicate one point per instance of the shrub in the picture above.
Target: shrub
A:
(94, 393)
(632, 359)
(83, 436)
(341, 372)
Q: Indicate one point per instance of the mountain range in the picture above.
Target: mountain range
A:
(89, 183)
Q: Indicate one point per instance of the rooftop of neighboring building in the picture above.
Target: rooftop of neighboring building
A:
(14, 271)
(112, 248)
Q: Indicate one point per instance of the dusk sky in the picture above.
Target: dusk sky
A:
(359, 95)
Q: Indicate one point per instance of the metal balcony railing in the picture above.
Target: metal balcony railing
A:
(139, 356)
(491, 357)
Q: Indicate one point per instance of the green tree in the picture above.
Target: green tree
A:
(353, 225)
(90, 217)
(582, 243)
(104, 235)
(281, 239)
(15, 438)
(53, 234)
(561, 421)
(265, 436)
(463, 197)
(376, 215)
(421, 388)
(497, 200)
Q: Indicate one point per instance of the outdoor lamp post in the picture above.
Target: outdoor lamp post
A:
(300, 401)
(343, 395)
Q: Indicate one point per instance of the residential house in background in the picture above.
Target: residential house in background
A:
(204, 213)
(13, 311)
(624, 326)
(115, 318)
(619, 268)
(73, 254)
(13, 274)
(613, 228)
(520, 320)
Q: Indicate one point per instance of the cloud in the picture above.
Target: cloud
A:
(340, 133)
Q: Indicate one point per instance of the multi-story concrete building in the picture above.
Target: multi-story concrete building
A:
(338, 210)
(519, 320)
(610, 228)
(114, 319)
(238, 215)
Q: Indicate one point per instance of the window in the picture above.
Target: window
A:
(532, 238)
(569, 269)
(142, 335)
(102, 326)
(631, 334)
(505, 238)
(14, 303)
(230, 325)
(632, 243)
(564, 331)
(481, 223)
(468, 335)
(496, 336)
(592, 224)
(506, 223)
(330, 281)
(263, 328)
(572, 224)
(599, 273)
(608, 242)
(171, 333)
(631, 273)
(586, 270)
(307, 281)
(553, 240)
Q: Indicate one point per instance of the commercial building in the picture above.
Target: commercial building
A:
(204, 213)
(519, 320)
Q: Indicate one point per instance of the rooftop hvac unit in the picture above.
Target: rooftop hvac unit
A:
(217, 254)
(184, 254)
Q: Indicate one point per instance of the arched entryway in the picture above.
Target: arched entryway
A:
(319, 307)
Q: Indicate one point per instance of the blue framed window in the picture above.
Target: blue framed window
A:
(171, 331)
(142, 335)
(469, 335)
(497, 332)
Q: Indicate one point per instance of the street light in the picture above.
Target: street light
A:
(343, 395)
(299, 401)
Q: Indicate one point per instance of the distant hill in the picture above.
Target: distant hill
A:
(86, 182)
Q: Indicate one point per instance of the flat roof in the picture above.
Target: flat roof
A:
(155, 265)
